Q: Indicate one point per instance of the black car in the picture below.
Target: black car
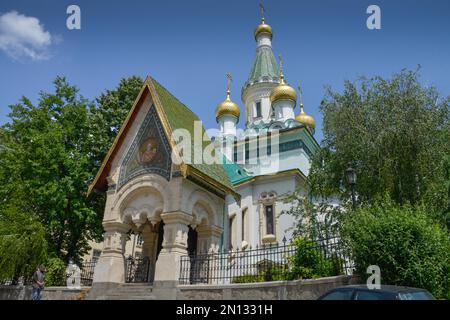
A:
(361, 292)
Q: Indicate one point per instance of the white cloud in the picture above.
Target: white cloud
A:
(23, 37)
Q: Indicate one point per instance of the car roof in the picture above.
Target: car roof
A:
(386, 288)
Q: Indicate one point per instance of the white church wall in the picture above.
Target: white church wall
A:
(258, 93)
(251, 200)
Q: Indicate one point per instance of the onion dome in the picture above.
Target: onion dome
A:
(228, 107)
(263, 28)
(283, 91)
(305, 119)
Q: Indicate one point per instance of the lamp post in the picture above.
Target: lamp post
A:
(350, 174)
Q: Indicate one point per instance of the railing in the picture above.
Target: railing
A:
(265, 263)
(138, 270)
(86, 275)
(87, 272)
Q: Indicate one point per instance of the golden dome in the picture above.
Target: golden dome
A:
(283, 92)
(305, 119)
(227, 107)
(263, 28)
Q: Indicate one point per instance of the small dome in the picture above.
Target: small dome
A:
(283, 92)
(228, 107)
(305, 119)
(263, 28)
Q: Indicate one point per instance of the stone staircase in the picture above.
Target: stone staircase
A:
(130, 291)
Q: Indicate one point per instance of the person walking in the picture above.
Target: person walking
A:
(38, 283)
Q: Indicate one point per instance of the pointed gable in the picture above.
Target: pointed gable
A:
(172, 114)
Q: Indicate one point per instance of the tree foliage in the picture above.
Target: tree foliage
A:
(395, 133)
(23, 244)
(56, 272)
(407, 245)
(46, 167)
(314, 219)
(52, 151)
(110, 111)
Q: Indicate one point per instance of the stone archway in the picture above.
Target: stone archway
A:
(141, 211)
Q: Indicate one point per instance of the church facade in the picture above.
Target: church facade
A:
(181, 207)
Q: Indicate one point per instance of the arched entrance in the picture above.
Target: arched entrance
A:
(141, 212)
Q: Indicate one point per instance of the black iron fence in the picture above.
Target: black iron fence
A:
(138, 270)
(297, 260)
(87, 272)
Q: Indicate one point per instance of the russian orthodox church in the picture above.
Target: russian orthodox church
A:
(180, 208)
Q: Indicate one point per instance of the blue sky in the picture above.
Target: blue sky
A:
(189, 46)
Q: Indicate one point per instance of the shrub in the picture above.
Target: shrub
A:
(56, 272)
(308, 262)
(404, 242)
(271, 272)
(248, 278)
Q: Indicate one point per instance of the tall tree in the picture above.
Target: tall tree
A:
(394, 132)
(45, 168)
(51, 153)
(110, 111)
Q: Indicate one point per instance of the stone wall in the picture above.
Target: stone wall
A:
(50, 293)
(275, 290)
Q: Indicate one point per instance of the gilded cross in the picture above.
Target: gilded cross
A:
(281, 62)
(229, 79)
(301, 95)
(263, 10)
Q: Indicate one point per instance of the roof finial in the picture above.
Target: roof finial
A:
(229, 79)
(300, 91)
(281, 68)
(263, 11)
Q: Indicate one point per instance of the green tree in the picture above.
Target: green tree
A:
(408, 246)
(394, 132)
(51, 153)
(109, 113)
(46, 167)
(314, 219)
(23, 246)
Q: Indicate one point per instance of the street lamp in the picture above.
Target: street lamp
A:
(350, 174)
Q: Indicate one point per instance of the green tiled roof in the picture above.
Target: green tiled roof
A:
(265, 65)
(235, 172)
(180, 116)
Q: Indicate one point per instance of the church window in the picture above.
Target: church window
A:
(258, 110)
(231, 233)
(244, 225)
(269, 219)
(247, 150)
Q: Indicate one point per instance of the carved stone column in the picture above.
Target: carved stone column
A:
(208, 241)
(173, 247)
(111, 264)
(208, 238)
